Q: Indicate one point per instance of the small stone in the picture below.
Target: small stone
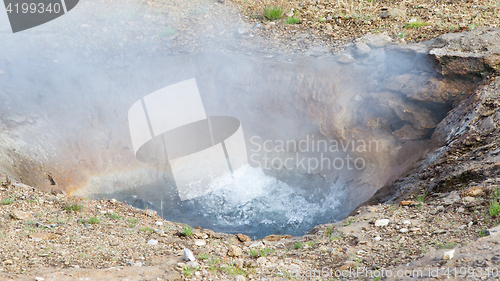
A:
(362, 49)
(39, 236)
(406, 222)
(256, 244)
(240, 278)
(199, 242)
(403, 230)
(192, 264)
(345, 59)
(234, 251)
(188, 255)
(378, 238)
(382, 222)
(8, 262)
(469, 199)
(39, 279)
(20, 215)
(138, 264)
(461, 210)
(448, 255)
(415, 229)
(238, 263)
(152, 242)
(329, 26)
(243, 237)
(158, 223)
(261, 260)
(439, 231)
(474, 191)
(407, 203)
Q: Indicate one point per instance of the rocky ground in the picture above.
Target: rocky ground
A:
(56, 237)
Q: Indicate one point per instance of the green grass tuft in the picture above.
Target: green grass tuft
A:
(94, 220)
(416, 24)
(146, 229)
(73, 207)
(494, 208)
(7, 201)
(114, 216)
(298, 245)
(203, 256)
(188, 231)
(273, 13)
(293, 20)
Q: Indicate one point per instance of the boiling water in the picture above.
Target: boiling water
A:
(252, 203)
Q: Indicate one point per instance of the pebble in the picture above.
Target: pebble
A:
(188, 255)
(403, 230)
(152, 242)
(193, 264)
(469, 199)
(406, 222)
(461, 210)
(158, 223)
(238, 263)
(378, 238)
(39, 279)
(382, 222)
(240, 278)
(199, 242)
(448, 255)
(261, 260)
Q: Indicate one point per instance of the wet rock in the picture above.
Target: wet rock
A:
(362, 49)
(20, 215)
(345, 59)
(243, 237)
(188, 255)
(407, 132)
(381, 222)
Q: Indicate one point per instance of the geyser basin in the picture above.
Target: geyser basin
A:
(63, 121)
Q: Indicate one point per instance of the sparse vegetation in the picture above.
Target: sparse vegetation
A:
(188, 271)
(273, 12)
(416, 24)
(203, 256)
(73, 207)
(132, 222)
(232, 270)
(297, 245)
(293, 20)
(188, 231)
(146, 229)
(212, 263)
(114, 216)
(348, 221)
(494, 209)
(7, 201)
(259, 252)
(94, 220)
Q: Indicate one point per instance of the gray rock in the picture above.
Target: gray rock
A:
(192, 264)
(362, 49)
(188, 255)
(152, 242)
(20, 215)
(377, 40)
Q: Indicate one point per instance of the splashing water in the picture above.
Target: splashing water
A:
(251, 202)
